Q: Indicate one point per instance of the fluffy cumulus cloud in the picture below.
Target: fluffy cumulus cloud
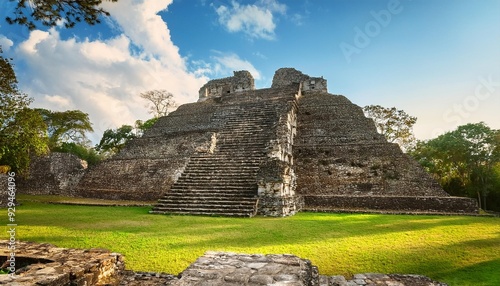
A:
(5, 43)
(226, 63)
(255, 20)
(104, 77)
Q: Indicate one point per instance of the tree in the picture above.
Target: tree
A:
(465, 160)
(23, 137)
(22, 130)
(66, 127)
(83, 152)
(51, 12)
(113, 140)
(160, 102)
(396, 125)
(142, 126)
(12, 100)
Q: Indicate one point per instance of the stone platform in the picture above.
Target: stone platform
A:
(45, 264)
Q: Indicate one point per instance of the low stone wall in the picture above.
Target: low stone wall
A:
(279, 206)
(220, 268)
(241, 81)
(54, 174)
(45, 264)
(450, 205)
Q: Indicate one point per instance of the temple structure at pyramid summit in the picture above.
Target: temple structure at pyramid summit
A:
(241, 151)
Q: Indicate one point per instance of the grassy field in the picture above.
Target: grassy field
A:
(459, 250)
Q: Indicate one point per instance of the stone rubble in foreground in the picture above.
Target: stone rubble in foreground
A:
(45, 264)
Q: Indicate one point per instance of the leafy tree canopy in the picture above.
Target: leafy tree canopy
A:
(466, 161)
(113, 140)
(12, 100)
(67, 126)
(22, 130)
(83, 152)
(396, 125)
(51, 12)
(142, 126)
(23, 138)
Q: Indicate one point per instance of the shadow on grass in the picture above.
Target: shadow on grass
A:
(486, 273)
(301, 229)
(335, 242)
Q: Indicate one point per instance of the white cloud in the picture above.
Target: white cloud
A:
(103, 77)
(5, 43)
(62, 103)
(226, 63)
(257, 20)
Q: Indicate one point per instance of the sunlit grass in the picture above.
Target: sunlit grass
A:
(459, 250)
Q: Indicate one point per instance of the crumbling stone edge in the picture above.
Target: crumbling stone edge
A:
(46, 264)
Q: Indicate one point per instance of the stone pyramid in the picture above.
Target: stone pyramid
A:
(241, 151)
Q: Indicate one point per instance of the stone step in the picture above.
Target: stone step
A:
(211, 183)
(224, 183)
(243, 123)
(242, 148)
(236, 173)
(244, 138)
(202, 193)
(169, 203)
(256, 123)
(224, 165)
(211, 194)
(228, 167)
(212, 213)
(232, 174)
(221, 187)
(224, 157)
(208, 199)
(217, 177)
(206, 209)
(234, 154)
(258, 120)
(231, 156)
(245, 129)
(243, 168)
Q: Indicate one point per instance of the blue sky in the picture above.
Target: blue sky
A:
(437, 60)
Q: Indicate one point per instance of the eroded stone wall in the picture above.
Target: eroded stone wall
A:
(147, 166)
(322, 145)
(277, 178)
(241, 81)
(392, 204)
(339, 153)
(45, 264)
(54, 174)
(286, 76)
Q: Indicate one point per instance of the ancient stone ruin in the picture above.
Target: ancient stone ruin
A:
(241, 151)
(45, 264)
(53, 174)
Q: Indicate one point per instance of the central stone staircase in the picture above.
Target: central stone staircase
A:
(224, 183)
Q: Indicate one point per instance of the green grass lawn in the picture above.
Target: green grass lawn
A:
(458, 250)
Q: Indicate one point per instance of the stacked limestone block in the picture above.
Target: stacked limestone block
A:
(227, 179)
(45, 264)
(147, 166)
(344, 164)
(53, 174)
